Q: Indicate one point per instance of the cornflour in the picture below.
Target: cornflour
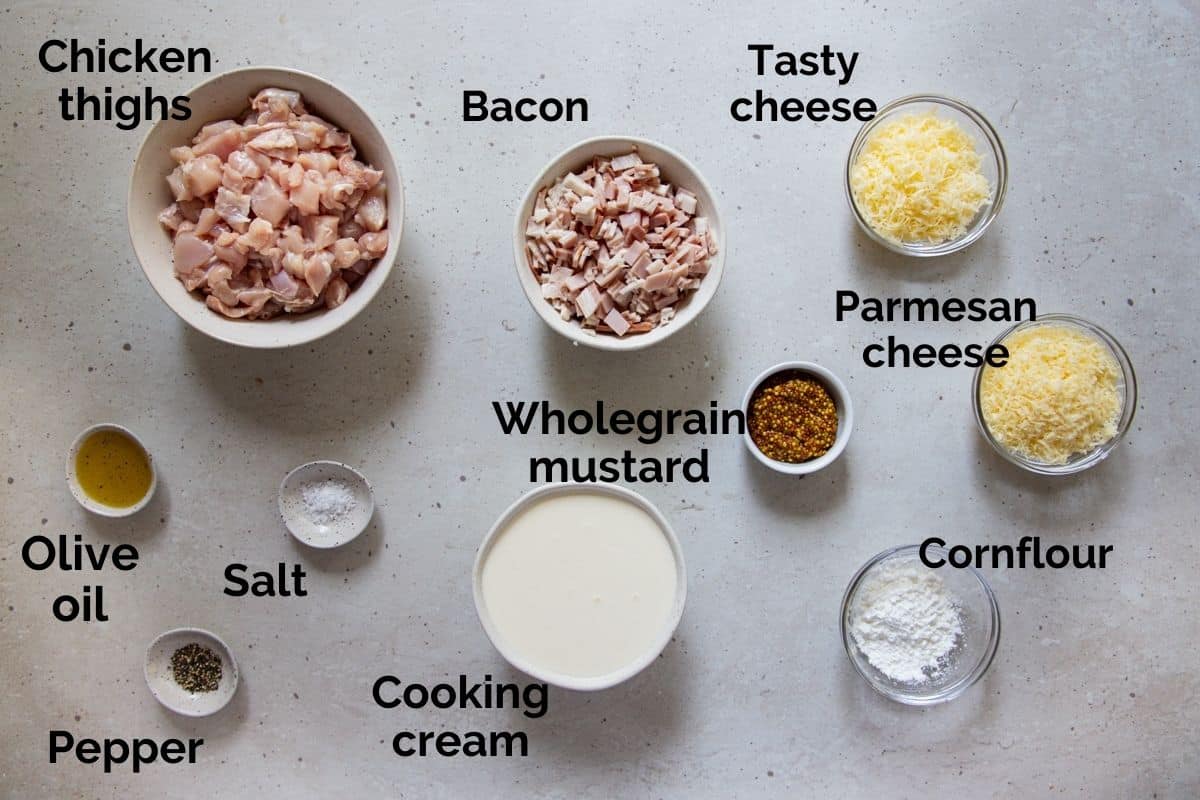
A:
(905, 620)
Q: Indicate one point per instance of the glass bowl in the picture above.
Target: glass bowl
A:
(1126, 386)
(994, 164)
(973, 650)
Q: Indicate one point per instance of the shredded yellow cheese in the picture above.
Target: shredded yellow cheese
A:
(1056, 397)
(918, 180)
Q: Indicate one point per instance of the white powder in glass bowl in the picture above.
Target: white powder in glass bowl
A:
(905, 620)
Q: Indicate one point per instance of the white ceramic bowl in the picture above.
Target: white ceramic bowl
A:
(340, 531)
(841, 400)
(162, 682)
(555, 678)
(675, 169)
(82, 498)
(226, 96)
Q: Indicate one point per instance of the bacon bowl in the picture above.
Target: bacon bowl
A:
(677, 171)
(226, 96)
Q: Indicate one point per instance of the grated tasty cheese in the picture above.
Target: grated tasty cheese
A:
(1056, 397)
(918, 179)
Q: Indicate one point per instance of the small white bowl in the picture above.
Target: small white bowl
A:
(588, 684)
(675, 169)
(82, 498)
(227, 96)
(340, 531)
(162, 682)
(841, 400)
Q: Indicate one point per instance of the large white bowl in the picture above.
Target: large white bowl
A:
(228, 96)
(676, 170)
(514, 657)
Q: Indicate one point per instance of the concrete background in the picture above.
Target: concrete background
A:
(1094, 690)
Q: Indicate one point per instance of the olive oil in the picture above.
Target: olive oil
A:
(113, 469)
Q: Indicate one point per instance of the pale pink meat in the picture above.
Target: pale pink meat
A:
(616, 247)
(190, 252)
(269, 201)
(274, 213)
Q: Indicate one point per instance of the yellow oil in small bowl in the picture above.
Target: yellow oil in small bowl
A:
(112, 469)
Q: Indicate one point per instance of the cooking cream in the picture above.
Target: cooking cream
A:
(580, 584)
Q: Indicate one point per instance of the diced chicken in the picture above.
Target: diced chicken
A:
(374, 245)
(317, 271)
(276, 105)
(320, 232)
(292, 239)
(336, 291)
(294, 264)
(190, 251)
(221, 145)
(234, 208)
(358, 173)
(309, 134)
(229, 254)
(201, 175)
(170, 217)
(307, 196)
(274, 213)
(285, 284)
(244, 165)
(258, 237)
(372, 211)
(338, 191)
(345, 253)
(320, 161)
(269, 201)
(279, 143)
(178, 184)
(208, 218)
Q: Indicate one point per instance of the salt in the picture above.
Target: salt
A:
(327, 501)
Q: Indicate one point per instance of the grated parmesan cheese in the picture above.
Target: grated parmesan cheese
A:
(1056, 397)
(918, 180)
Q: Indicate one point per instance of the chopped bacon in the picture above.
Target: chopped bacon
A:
(615, 247)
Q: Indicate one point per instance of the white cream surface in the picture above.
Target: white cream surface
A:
(580, 584)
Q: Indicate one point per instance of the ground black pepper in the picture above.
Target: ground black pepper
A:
(196, 668)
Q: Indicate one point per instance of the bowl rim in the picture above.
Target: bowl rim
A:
(1125, 418)
(599, 682)
(95, 506)
(198, 633)
(999, 191)
(599, 341)
(987, 656)
(387, 262)
(841, 398)
(344, 467)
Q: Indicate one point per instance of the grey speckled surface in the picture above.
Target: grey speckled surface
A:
(1094, 691)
